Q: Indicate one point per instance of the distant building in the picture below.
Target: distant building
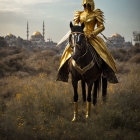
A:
(14, 41)
(37, 39)
(3, 43)
(50, 43)
(11, 40)
(128, 44)
(136, 37)
(117, 41)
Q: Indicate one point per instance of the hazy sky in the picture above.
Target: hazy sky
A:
(122, 16)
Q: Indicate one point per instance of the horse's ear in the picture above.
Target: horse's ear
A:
(71, 25)
(83, 26)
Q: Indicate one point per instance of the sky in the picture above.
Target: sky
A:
(121, 16)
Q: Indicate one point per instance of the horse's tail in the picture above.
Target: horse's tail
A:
(96, 91)
(100, 82)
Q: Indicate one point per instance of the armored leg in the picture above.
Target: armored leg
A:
(88, 108)
(75, 111)
(75, 83)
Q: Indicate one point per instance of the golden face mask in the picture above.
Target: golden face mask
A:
(91, 2)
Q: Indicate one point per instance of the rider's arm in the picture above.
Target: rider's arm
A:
(99, 21)
(99, 29)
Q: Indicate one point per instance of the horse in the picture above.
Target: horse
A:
(85, 65)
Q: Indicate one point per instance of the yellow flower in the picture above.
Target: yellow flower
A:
(34, 128)
(20, 124)
(42, 127)
(18, 96)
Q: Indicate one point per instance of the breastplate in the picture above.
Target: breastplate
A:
(89, 20)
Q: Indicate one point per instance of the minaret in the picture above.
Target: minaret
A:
(43, 31)
(27, 31)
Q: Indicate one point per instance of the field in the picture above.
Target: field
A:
(33, 106)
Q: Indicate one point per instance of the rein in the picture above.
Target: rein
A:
(87, 67)
(76, 33)
(78, 44)
(82, 55)
(90, 49)
(72, 33)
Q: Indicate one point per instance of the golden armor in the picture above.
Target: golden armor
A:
(91, 19)
(75, 111)
(91, 2)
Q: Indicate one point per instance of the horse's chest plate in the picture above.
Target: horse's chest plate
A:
(82, 70)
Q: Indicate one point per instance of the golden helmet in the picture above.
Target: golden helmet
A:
(91, 2)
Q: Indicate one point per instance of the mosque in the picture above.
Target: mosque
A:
(117, 41)
(36, 40)
(10, 39)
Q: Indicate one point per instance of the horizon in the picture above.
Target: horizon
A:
(14, 15)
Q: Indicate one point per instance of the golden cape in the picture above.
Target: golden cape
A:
(100, 48)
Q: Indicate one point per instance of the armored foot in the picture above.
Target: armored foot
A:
(88, 108)
(75, 112)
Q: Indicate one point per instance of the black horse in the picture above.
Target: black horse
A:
(85, 65)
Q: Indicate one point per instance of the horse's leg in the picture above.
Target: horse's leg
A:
(88, 107)
(83, 85)
(104, 88)
(95, 92)
(75, 83)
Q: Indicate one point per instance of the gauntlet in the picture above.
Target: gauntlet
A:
(98, 30)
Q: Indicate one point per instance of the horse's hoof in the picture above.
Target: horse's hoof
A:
(87, 116)
(88, 107)
(74, 119)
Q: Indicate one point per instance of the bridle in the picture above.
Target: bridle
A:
(90, 65)
(77, 33)
(75, 44)
(73, 33)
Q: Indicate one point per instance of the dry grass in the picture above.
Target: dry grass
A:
(31, 62)
(34, 106)
(123, 55)
(135, 59)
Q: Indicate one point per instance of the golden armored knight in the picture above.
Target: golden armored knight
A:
(91, 18)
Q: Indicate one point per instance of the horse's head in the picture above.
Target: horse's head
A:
(77, 41)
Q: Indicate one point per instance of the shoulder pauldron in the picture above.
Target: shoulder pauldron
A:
(99, 15)
(77, 17)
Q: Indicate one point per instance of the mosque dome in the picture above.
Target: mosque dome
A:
(36, 33)
(9, 34)
(116, 35)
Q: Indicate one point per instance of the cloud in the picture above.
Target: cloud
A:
(33, 1)
(19, 5)
(9, 6)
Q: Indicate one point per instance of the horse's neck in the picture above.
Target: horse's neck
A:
(84, 60)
